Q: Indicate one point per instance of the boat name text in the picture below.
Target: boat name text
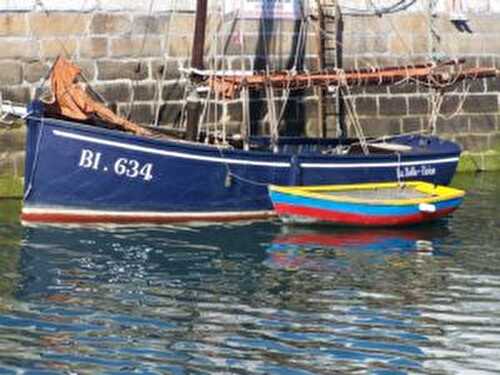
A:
(130, 168)
(412, 172)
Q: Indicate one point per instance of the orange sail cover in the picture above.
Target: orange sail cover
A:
(71, 100)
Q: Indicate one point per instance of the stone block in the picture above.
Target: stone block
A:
(470, 163)
(146, 91)
(485, 23)
(411, 124)
(473, 142)
(420, 43)
(158, 71)
(380, 127)
(494, 142)
(35, 71)
(409, 22)
(94, 47)
(173, 91)
(178, 46)
(468, 43)
(142, 114)
(116, 69)
(492, 161)
(182, 24)
(367, 106)
(51, 48)
(114, 91)
(418, 105)
(11, 73)
(373, 44)
(58, 24)
(111, 23)
(403, 88)
(400, 44)
(451, 104)
(455, 125)
(491, 44)
(136, 47)
(24, 49)
(16, 94)
(486, 123)
(393, 106)
(476, 86)
(145, 24)
(12, 140)
(487, 103)
(376, 90)
(493, 84)
(88, 68)
(13, 24)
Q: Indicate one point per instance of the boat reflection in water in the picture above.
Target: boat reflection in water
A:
(220, 298)
(320, 247)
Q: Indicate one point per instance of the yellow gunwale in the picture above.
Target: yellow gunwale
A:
(438, 193)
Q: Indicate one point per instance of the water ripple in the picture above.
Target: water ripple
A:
(255, 298)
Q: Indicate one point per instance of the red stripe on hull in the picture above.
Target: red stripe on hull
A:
(62, 218)
(327, 216)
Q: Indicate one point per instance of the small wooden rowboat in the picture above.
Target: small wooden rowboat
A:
(379, 204)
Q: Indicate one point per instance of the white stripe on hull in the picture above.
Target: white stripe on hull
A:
(379, 165)
(155, 151)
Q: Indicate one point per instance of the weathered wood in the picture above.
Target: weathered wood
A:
(339, 64)
(197, 58)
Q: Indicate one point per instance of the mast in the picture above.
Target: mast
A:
(339, 64)
(197, 57)
(197, 52)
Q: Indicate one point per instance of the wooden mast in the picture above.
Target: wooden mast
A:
(339, 64)
(197, 53)
(320, 91)
(197, 57)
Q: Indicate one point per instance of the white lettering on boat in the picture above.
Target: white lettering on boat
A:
(130, 168)
(414, 172)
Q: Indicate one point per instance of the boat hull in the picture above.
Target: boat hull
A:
(81, 173)
(304, 207)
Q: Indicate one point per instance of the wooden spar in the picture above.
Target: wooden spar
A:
(197, 62)
(339, 64)
(430, 75)
(321, 62)
(197, 54)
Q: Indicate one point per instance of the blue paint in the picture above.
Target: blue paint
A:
(55, 179)
(357, 208)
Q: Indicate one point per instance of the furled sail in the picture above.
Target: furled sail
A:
(70, 100)
(436, 75)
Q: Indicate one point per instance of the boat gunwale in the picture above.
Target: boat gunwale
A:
(440, 193)
(283, 156)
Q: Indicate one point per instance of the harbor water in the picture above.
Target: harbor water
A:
(254, 298)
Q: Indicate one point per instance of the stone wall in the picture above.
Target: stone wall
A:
(131, 52)
(470, 112)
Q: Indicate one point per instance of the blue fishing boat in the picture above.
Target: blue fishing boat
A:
(380, 204)
(80, 173)
(85, 164)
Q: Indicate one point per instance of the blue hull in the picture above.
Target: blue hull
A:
(78, 173)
